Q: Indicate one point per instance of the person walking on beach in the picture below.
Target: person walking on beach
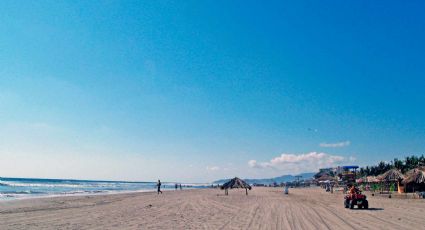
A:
(176, 186)
(180, 186)
(286, 191)
(159, 186)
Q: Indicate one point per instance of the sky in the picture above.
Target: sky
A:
(195, 91)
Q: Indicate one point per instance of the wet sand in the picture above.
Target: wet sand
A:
(263, 208)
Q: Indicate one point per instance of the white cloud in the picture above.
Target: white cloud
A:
(335, 145)
(254, 164)
(294, 163)
(213, 168)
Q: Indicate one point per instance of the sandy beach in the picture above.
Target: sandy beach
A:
(264, 208)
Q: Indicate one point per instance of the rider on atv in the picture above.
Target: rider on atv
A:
(355, 197)
(353, 190)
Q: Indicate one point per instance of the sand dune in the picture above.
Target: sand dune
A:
(264, 208)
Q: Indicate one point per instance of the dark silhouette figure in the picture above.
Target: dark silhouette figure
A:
(176, 186)
(159, 186)
(180, 186)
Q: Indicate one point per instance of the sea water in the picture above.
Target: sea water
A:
(14, 188)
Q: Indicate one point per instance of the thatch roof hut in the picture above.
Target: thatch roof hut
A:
(320, 174)
(416, 176)
(415, 179)
(235, 183)
(391, 175)
(325, 178)
(390, 180)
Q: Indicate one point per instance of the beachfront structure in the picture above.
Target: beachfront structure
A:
(325, 172)
(391, 178)
(235, 183)
(341, 175)
(348, 173)
(414, 180)
(372, 179)
(325, 178)
(391, 175)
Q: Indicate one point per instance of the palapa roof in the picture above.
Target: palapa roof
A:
(325, 178)
(391, 175)
(416, 175)
(235, 183)
(320, 174)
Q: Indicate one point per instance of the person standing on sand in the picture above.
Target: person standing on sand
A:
(180, 186)
(159, 186)
(286, 191)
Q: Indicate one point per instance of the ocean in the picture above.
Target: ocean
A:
(17, 188)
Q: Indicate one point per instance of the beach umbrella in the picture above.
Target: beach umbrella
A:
(235, 183)
(391, 175)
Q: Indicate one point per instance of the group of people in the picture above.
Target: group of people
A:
(158, 185)
(178, 185)
(329, 187)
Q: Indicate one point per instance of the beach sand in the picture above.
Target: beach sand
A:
(264, 208)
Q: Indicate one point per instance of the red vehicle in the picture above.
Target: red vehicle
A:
(350, 200)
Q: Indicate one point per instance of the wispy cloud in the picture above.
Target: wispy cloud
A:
(335, 145)
(301, 162)
(213, 168)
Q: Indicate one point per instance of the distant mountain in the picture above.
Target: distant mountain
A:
(278, 180)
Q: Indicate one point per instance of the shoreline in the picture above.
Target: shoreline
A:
(29, 188)
(108, 193)
(72, 195)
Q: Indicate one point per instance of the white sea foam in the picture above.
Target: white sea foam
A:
(19, 188)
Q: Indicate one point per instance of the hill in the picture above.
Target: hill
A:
(280, 179)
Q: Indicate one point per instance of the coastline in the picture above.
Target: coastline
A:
(107, 193)
(27, 188)
(75, 195)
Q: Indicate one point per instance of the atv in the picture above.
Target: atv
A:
(350, 200)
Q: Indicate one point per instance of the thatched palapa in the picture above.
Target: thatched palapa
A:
(235, 183)
(391, 175)
(325, 178)
(417, 176)
(389, 179)
(415, 180)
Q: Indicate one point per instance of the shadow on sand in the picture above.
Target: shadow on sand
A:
(371, 209)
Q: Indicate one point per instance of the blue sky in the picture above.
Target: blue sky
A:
(201, 90)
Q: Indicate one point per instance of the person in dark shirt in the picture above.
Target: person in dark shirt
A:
(159, 186)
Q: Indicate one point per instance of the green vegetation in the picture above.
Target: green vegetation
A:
(403, 165)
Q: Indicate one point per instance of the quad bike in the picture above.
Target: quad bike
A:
(350, 200)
